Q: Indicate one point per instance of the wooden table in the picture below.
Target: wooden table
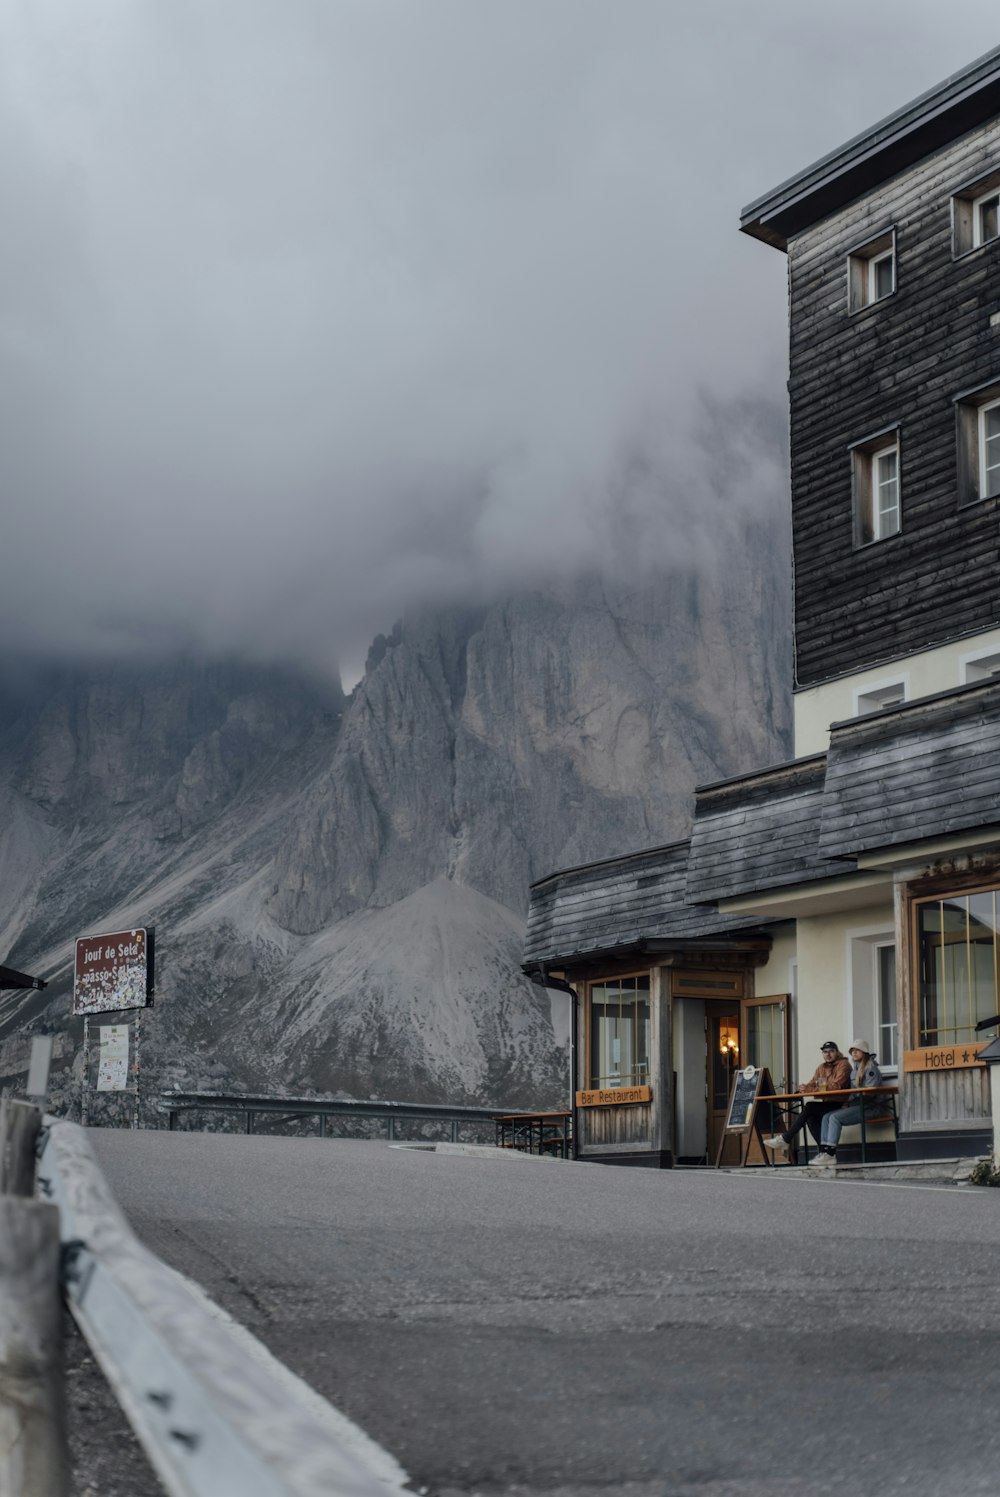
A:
(841, 1096)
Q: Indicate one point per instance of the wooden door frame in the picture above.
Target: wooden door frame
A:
(718, 1008)
(785, 999)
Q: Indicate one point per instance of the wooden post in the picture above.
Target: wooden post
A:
(661, 1066)
(33, 1452)
(19, 1126)
(85, 1092)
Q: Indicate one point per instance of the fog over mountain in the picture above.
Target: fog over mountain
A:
(316, 315)
(312, 311)
(338, 888)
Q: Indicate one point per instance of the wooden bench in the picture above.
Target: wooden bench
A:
(878, 1131)
(535, 1132)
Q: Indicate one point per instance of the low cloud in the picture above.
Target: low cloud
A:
(311, 311)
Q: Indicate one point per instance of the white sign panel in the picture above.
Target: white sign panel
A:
(112, 1063)
(38, 1069)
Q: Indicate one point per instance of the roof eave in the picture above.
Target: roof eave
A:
(943, 113)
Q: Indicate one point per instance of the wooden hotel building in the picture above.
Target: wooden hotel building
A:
(855, 890)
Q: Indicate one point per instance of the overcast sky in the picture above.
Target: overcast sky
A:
(312, 309)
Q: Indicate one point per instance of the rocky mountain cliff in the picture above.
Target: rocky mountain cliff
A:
(338, 887)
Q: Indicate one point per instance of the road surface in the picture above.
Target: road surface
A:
(529, 1327)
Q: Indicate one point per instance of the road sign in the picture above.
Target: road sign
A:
(113, 971)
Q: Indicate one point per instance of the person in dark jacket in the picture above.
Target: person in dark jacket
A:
(832, 1074)
(864, 1074)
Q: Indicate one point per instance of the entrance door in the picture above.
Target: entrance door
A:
(722, 1029)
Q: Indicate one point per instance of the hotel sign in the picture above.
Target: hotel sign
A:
(944, 1057)
(613, 1096)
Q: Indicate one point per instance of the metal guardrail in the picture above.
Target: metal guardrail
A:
(285, 1108)
(217, 1414)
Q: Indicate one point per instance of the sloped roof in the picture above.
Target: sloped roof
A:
(620, 905)
(759, 832)
(942, 114)
(928, 769)
(923, 771)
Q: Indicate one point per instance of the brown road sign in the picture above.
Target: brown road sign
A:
(112, 972)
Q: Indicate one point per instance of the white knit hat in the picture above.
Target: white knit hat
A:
(861, 1045)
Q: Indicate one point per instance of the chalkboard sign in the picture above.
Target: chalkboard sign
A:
(746, 1088)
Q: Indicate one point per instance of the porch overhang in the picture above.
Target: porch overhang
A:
(833, 896)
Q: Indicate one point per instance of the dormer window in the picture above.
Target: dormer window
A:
(877, 698)
(872, 271)
(876, 488)
(981, 665)
(975, 213)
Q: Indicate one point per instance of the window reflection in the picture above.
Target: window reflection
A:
(619, 1032)
(958, 949)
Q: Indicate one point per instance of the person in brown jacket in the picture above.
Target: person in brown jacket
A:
(832, 1074)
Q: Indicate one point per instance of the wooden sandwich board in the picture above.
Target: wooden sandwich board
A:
(750, 1086)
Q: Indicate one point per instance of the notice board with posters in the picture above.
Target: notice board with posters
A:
(113, 971)
(113, 1058)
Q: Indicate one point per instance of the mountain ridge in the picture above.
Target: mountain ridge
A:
(339, 886)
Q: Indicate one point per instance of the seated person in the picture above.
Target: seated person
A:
(865, 1073)
(832, 1074)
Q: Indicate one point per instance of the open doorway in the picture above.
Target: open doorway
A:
(707, 1052)
(716, 1032)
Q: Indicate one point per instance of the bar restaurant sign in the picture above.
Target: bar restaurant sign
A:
(614, 1096)
(113, 971)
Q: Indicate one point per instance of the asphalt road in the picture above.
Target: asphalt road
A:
(529, 1327)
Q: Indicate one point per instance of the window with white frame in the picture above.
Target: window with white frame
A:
(872, 271)
(979, 444)
(876, 489)
(989, 449)
(877, 697)
(986, 217)
(976, 214)
(982, 665)
(873, 992)
(885, 1006)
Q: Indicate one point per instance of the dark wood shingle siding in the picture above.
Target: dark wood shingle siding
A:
(617, 904)
(916, 773)
(760, 833)
(901, 360)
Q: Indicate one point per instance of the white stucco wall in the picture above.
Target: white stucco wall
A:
(932, 671)
(828, 972)
(777, 976)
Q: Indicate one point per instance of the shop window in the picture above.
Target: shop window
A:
(958, 962)
(618, 1030)
(872, 271)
